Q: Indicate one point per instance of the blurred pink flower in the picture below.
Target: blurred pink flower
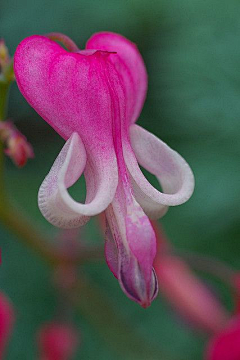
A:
(17, 146)
(57, 341)
(226, 344)
(185, 292)
(6, 322)
(93, 98)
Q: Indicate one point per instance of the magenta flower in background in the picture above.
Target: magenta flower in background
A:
(6, 322)
(92, 98)
(226, 345)
(57, 341)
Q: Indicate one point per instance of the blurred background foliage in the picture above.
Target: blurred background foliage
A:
(192, 53)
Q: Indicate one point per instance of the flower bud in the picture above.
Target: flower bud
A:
(17, 146)
(57, 341)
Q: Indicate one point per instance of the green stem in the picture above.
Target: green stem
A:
(65, 40)
(2, 192)
(4, 90)
(19, 225)
(6, 79)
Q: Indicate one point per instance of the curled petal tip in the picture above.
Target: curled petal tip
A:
(172, 171)
(54, 201)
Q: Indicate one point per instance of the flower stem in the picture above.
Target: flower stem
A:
(19, 225)
(3, 100)
(65, 40)
(4, 90)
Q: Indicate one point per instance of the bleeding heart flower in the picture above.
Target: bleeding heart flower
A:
(92, 98)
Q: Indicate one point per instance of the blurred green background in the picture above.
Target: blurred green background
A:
(192, 53)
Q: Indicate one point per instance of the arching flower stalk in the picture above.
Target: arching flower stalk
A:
(184, 291)
(93, 98)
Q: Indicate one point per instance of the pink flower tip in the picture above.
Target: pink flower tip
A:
(6, 321)
(226, 344)
(57, 341)
(17, 146)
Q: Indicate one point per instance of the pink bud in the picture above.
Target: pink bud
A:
(6, 322)
(188, 295)
(19, 150)
(226, 345)
(17, 146)
(57, 341)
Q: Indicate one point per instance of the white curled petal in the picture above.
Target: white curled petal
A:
(172, 171)
(54, 201)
